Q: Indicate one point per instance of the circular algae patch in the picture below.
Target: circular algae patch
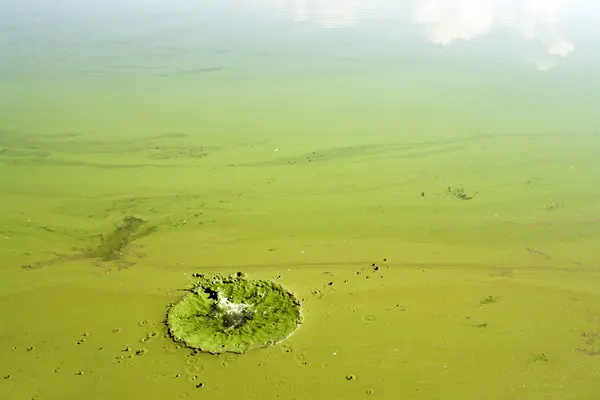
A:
(233, 314)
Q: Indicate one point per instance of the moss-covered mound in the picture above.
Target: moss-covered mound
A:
(233, 314)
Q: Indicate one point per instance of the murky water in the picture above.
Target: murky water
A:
(423, 174)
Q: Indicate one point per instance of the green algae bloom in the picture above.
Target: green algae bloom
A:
(233, 314)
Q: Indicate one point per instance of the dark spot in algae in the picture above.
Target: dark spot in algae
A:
(110, 247)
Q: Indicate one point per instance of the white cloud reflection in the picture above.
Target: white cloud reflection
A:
(539, 23)
(327, 13)
(446, 22)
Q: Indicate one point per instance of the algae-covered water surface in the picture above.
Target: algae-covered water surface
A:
(300, 200)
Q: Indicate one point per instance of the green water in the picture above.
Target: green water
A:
(303, 141)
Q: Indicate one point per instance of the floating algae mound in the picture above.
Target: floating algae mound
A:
(233, 314)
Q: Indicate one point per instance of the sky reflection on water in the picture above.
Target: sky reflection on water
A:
(545, 24)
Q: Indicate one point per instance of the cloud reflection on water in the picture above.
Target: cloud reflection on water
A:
(446, 22)
(327, 13)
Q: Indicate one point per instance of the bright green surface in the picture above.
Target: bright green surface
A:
(173, 114)
(233, 315)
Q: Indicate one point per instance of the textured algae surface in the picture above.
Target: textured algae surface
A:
(113, 246)
(441, 236)
(233, 314)
(498, 293)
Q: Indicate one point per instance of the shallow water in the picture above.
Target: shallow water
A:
(303, 141)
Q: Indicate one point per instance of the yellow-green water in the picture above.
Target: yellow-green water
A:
(304, 142)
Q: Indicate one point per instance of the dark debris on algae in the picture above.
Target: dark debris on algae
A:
(110, 247)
